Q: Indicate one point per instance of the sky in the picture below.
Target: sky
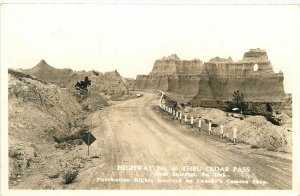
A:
(129, 38)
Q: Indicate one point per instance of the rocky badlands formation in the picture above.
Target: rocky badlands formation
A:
(104, 86)
(108, 83)
(216, 80)
(37, 112)
(47, 118)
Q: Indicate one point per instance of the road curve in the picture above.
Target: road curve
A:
(142, 148)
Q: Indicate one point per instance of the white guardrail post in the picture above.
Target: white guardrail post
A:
(209, 128)
(234, 135)
(199, 124)
(222, 131)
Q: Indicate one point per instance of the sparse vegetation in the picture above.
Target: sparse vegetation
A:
(254, 146)
(272, 119)
(269, 108)
(237, 102)
(96, 73)
(83, 85)
(70, 175)
(71, 137)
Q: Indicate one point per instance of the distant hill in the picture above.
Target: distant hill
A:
(110, 84)
(50, 74)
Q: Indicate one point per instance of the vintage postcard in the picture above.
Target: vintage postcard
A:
(200, 98)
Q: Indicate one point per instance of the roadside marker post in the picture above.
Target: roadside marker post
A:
(209, 128)
(234, 135)
(180, 116)
(88, 138)
(200, 124)
(222, 132)
(192, 121)
(185, 118)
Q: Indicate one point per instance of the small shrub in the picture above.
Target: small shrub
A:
(269, 108)
(96, 73)
(61, 145)
(59, 138)
(70, 175)
(54, 175)
(254, 146)
(272, 119)
(15, 154)
(214, 125)
(237, 102)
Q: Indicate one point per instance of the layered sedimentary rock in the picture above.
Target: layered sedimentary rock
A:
(171, 74)
(111, 83)
(173, 65)
(217, 79)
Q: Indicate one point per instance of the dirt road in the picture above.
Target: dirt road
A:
(142, 148)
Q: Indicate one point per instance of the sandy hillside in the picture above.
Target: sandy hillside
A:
(253, 130)
(38, 112)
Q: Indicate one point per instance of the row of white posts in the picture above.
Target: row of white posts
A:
(178, 115)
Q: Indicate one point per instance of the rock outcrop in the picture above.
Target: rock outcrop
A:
(108, 84)
(50, 74)
(37, 111)
(217, 79)
(173, 65)
(172, 74)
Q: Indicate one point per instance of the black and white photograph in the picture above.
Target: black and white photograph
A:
(149, 96)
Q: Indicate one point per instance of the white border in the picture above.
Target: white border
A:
(4, 116)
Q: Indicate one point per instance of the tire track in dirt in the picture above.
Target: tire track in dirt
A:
(132, 133)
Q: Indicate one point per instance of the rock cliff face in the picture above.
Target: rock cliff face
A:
(173, 65)
(172, 74)
(216, 79)
(253, 75)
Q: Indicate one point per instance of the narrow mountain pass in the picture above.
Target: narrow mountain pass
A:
(142, 148)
